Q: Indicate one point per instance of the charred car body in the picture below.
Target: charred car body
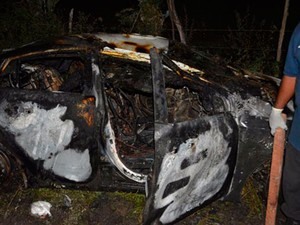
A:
(122, 112)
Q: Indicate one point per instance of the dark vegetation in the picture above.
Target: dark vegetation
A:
(247, 43)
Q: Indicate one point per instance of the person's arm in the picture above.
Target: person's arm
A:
(286, 91)
(287, 87)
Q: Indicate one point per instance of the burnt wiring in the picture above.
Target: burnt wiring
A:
(132, 116)
(133, 127)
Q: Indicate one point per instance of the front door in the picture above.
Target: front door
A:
(194, 160)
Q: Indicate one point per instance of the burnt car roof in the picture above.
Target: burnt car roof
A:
(233, 79)
(86, 42)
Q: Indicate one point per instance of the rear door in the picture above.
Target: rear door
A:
(47, 111)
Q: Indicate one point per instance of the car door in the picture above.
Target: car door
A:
(48, 115)
(194, 159)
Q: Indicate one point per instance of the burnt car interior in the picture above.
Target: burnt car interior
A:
(129, 95)
(131, 112)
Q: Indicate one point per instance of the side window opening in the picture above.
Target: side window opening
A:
(39, 77)
(52, 74)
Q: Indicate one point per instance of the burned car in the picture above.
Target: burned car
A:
(132, 113)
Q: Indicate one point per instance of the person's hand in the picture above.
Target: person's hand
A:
(276, 120)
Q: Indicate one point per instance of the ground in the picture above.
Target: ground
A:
(70, 207)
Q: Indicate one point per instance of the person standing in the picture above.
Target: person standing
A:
(290, 87)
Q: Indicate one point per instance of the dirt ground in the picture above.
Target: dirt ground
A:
(70, 207)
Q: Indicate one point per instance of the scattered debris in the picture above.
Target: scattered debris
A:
(41, 209)
(67, 201)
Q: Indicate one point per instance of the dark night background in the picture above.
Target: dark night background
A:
(244, 32)
(214, 13)
(210, 19)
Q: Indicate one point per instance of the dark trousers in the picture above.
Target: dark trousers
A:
(291, 183)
